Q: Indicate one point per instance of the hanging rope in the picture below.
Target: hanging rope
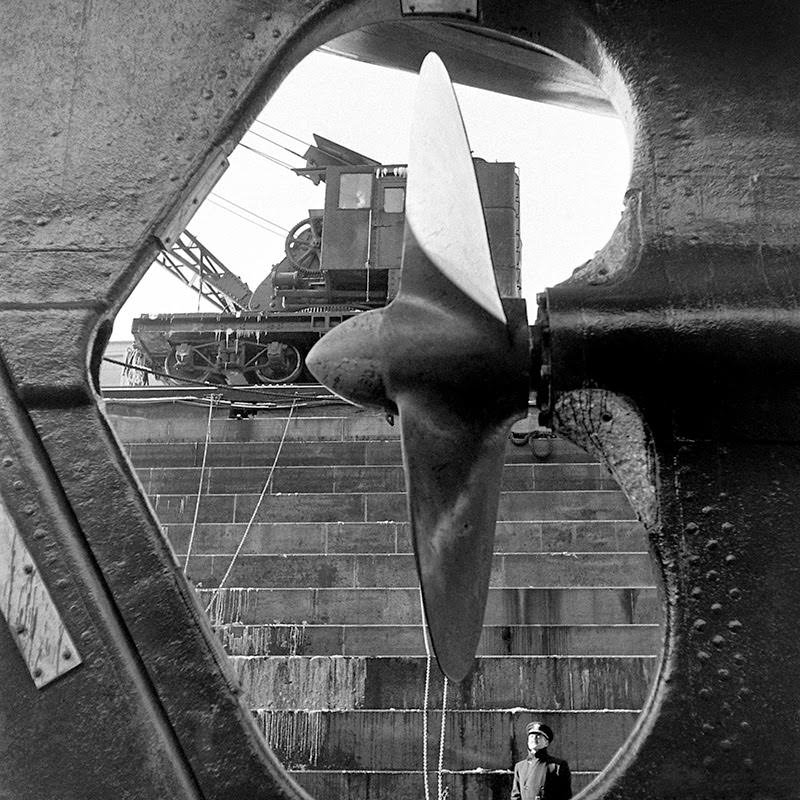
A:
(440, 794)
(212, 403)
(425, 700)
(255, 510)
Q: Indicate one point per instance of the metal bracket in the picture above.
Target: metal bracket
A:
(34, 621)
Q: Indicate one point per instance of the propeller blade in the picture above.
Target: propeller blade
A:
(443, 206)
(452, 358)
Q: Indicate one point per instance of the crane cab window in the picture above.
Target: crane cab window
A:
(355, 190)
(394, 198)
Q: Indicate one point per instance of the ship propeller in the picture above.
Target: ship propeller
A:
(450, 357)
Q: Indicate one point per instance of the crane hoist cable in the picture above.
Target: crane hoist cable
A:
(280, 228)
(261, 153)
(246, 219)
(290, 136)
(277, 144)
(283, 133)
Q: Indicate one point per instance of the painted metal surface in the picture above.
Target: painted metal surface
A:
(32, 617)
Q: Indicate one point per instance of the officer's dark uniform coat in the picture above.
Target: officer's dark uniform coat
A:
(557, 784)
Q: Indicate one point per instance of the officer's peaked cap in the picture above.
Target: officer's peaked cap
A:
(539, 727)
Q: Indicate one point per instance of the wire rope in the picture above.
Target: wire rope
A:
(199, 486)
(255, 511)
(261, 153)
(282, 132)
(248, 211)
(246, 219)
(277, 144)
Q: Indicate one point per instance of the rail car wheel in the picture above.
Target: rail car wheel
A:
(303, 244)
(187, 363)
(276, 362)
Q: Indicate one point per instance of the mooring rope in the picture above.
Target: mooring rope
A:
(211, 405)
(255, 510)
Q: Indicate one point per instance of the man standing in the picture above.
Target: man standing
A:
(541, 776)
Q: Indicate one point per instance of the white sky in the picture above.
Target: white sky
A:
(574, 169)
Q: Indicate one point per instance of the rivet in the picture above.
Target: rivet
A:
(19, 485)
(249, 35)
(8, 462)
(267, 16)
(711, 544)
(712, 575)
(735, 594)
(67, 655)
(708, 761)
(705, 693)
(232, 92)
(745, 725)
(62, 582)
(692, 527)
(699, 624)
(748, 762)
(723, 495)
(716, 607)
(727, 527)
(730, 558)
(21, 629)
(724, 673)
(29, 510)
(207, 94)
(39, 533)
(28, 569)
(734, 625)
(739, 658)
(718, 641)
(37, 673)
(222, 74)
(696, 591)
(276, 34)
(693, 559)
(744, 693)
(726, 744)
(703, 655)
(706, 510)
(707, 727)
(606, 416)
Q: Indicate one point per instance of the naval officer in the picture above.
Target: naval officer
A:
(541, 776)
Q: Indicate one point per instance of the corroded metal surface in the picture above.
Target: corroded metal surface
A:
(610, 428)
(32, 617)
